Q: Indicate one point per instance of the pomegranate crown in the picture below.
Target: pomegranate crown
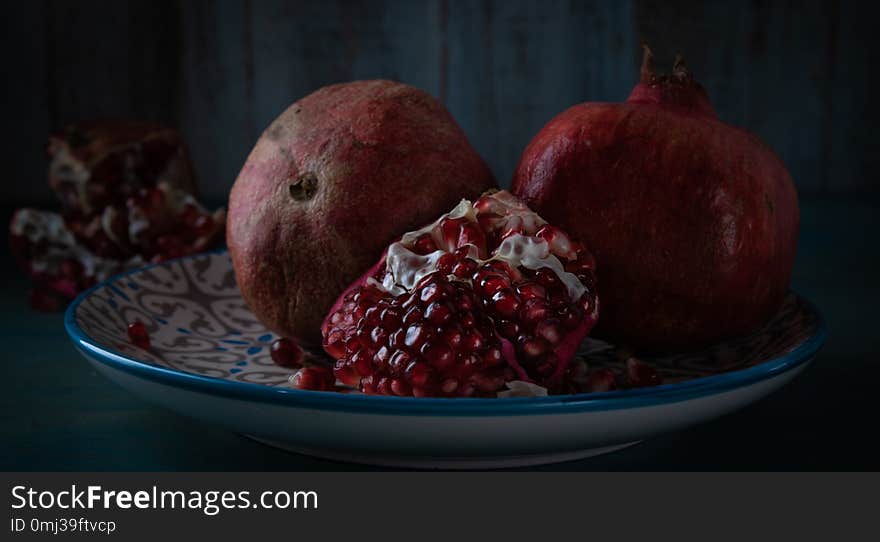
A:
(677, 89)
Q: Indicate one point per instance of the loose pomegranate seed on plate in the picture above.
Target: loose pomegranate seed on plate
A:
(138, 335)
(286, 353)
(313, 378)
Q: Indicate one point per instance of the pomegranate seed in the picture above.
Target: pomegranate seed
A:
(601, 380)
(493, 283)
(368, 384)
(492, 357)
(471, 234)
(506, 303)
(439, 355)
(531, 290)
(313, 378)
(416, 335)
(508, 329)
(438, 314)
(586, 303)
(396, 340)
(379, 336)
(549, 330)
(418, 374)
(464, 269)
(449, 385)
(466, 319)
(381, 357)
(400, 387)
(453, 337)
(571, 316)
(473, 341)
(400, 360)
(138, 335)
(361, 363)
(384, 386)
(390, 319)
(347, 374)
(546, 277)
(334, 344)
(533, 311)
(559, 243)
(424, 245)
(372, 316)
(445, 263)
(430, 293)
(466, 390)
(203, 225)
(286, 353)
(449, 231)
(533, 347)
(412, 316)
(464, 302)
(640, 374)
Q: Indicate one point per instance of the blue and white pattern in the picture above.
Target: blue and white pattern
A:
(198, 323)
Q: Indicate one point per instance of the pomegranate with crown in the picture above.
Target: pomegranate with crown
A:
(694, 222)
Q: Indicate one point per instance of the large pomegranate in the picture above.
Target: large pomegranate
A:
(333, 180)
(487, 294)
(693, 222)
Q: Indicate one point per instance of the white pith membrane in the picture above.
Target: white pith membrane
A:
(405, 268)
(49, 228)
(45, 226)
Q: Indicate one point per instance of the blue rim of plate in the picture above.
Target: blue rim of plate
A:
(404, 406)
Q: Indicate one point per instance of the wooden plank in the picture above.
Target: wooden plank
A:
(763, 65)
(515, 65)
(216, 93)
(300, 47)
(113, 59)
(25, 58)
(852, 112)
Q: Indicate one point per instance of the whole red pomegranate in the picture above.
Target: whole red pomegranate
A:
(693, 222)
(339, 175)
(487, 294)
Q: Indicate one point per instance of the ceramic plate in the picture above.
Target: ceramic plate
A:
(210, 360)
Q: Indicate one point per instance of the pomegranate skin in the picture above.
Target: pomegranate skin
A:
(693, 222)
(337, 177)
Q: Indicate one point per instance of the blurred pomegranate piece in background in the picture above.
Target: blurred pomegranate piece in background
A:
(127, 194)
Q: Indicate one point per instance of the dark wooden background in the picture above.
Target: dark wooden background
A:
(797, 73)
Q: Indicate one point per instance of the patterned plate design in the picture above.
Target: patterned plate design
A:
(198, 323)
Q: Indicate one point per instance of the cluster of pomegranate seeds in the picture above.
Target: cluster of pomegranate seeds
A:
(489, 294)
(431, 342)
(156, 224)
(286, 353)
(138, 335)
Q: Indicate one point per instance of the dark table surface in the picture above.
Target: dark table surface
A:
(59, 414)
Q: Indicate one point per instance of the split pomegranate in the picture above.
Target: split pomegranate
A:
(487, 294)
(693, 221)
